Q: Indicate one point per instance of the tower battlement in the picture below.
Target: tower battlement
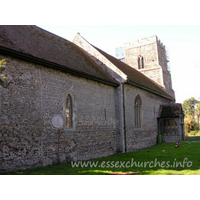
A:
(150, 56)
(144, 41)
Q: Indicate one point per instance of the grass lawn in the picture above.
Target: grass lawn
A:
(192, 138)
(157, 160)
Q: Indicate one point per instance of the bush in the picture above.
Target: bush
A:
(194, 133)
(190, 125)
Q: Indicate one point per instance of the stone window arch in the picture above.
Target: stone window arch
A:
(69, 111)
(138, 112)
(140, 62)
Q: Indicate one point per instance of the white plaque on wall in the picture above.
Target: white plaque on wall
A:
(57, 121)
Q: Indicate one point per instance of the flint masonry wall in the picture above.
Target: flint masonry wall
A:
(34, 96)
(146, 136)
(118, 75)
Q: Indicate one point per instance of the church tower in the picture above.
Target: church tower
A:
(149, 56)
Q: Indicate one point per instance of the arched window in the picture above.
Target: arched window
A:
(140, 62)
(69, 111)
(138, 105)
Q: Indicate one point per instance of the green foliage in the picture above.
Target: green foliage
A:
(191, 108)
(3, 77)
(188, 125)
(197, 112)
(2, 65)
(194, 133)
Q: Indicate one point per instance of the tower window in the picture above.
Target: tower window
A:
(69, 111)
(140, 62)
(138, 105)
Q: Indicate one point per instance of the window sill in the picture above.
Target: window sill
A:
(138, 129)
(68, 130)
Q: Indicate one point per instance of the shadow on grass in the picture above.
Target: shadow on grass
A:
(164, 159)
(193, 138)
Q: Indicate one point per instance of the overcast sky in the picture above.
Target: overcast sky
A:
(183, 43)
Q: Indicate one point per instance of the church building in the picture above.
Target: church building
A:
(72, 101)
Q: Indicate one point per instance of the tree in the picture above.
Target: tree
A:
(3, 77)
(188, 125)
(197, 112)
(189, 107)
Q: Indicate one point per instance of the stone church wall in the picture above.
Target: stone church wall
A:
(146, 136)
(34, 96)
(147, 50)
(155, 61)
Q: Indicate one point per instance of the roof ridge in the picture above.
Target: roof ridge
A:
(110, 68)
(137, 72)
(86, 54)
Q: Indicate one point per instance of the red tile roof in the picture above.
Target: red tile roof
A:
(170, 111)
